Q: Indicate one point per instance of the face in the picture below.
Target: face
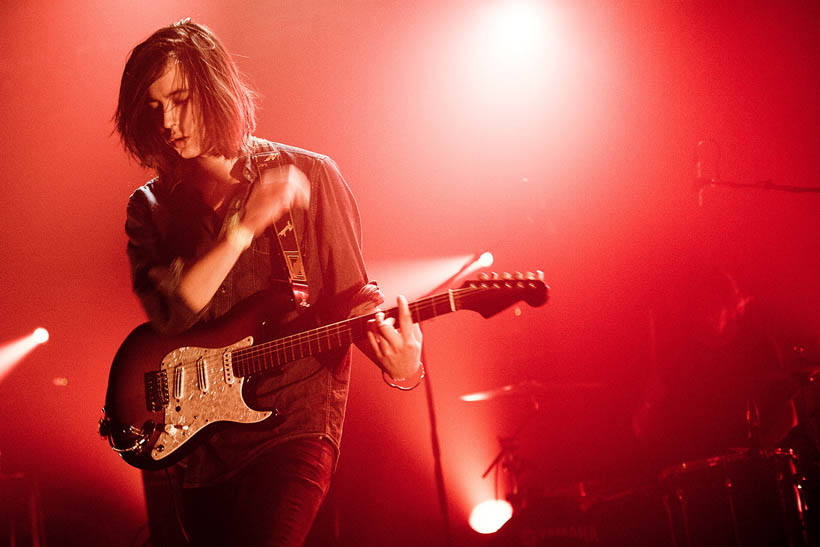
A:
(170, 96)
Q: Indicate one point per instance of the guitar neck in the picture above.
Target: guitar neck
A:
(270, 355)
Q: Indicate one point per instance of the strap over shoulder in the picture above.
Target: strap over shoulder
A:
(266, 155)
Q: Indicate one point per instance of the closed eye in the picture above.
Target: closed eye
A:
(176, 100)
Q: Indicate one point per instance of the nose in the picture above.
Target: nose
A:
(170, 116)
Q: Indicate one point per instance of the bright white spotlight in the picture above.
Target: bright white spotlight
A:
(516, 26)
(485, 260)
(488, 516)
(11, 353)
(40, 335)
(517, 33)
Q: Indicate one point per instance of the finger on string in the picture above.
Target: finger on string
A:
(376, 321)
(375, 344)
(405, 319)
(390, 337)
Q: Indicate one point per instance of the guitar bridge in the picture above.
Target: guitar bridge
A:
(156, 390)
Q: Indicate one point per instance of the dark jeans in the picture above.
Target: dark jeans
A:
(272, 502)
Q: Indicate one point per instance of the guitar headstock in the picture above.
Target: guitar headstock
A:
(492, 293)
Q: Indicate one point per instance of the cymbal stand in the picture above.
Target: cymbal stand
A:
(753, 426)
(507, 460)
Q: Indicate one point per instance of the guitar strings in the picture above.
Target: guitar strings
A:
(245, 361)
(244, 358)
(270, 351)
(278, 349)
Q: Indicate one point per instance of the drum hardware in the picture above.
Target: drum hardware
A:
(744, 498)
(507, 458)
(753, 424)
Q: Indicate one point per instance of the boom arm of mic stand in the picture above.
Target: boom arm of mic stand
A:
(447, 282)
(761, 185)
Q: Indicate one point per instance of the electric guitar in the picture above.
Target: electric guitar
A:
(163, 390)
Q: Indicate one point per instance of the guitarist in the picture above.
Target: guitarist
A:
(203, 235)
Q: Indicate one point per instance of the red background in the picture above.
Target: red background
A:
(577, 159)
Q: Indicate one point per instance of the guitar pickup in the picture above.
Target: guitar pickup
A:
(227, 367)
(179, 381)
(156, 390)
(202, 374)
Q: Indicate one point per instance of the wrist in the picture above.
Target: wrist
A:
(405, 384)
(238, 236)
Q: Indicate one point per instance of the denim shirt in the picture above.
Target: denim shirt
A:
(168, 224)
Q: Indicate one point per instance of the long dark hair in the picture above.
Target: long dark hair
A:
(225, 102)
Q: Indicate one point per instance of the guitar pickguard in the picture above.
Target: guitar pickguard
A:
(202, 390)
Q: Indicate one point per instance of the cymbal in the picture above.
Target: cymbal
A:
(528, 388)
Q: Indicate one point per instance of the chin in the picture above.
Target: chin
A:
(189, 153)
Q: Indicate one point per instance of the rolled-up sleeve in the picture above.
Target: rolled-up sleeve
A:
(339, 234)
(155, 276)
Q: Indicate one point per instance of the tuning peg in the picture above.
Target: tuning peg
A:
(540, 275)
(507, 275)
(483, 276)
(493, 275)
(519, 275)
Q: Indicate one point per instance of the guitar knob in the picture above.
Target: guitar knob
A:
(170, 429)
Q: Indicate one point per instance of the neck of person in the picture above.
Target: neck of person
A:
(215, 179)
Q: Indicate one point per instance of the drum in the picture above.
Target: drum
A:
(741, 499)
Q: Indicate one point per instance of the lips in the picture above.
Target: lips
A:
(178, 142)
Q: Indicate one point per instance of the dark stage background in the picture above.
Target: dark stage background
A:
(566, 145)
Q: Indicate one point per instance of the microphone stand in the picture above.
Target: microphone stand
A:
(431, 411)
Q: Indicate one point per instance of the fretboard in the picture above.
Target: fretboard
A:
(276, 353)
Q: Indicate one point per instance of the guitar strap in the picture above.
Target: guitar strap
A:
(287, 251)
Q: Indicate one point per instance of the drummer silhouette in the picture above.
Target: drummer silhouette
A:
(716, 380)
